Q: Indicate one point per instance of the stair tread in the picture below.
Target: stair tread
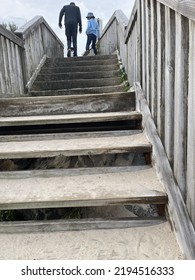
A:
(82, 58)
(69, 118)
(82, 62)
(74, 68)
(77, 83)
(77, 75)
(79, 91)
(71, 147)
(80, 187)
(139, 243)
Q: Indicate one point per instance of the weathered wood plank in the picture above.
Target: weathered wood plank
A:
(77, 225)
(191, 126)
(58, 105)
(73, 118)
(77, 188)
(72, 135)
(71, 147)
(160, 75)
(180, 101)
(177, 209)
(148, 51)
(2, 72)
(153, 65)
(169, 82)
(11, 36)
(184, 7)
(143, 44)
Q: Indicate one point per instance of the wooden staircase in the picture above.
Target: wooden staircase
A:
(76, 141)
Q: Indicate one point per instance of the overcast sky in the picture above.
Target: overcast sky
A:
(21, 11)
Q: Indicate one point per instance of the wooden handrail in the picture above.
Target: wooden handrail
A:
(184, 7)
(11, 36)
(27, 28)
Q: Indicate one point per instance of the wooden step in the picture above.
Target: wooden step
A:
(80, 62)
(75, 68)
(75, 147)
(80, 187)
(69, 118)
(71, 104)
(155, 242)
(79, 91)
(77, 75)
(77, 224)
(77, 83)
(83, 58)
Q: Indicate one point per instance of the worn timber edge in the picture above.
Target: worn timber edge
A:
(178, 213)
(69, 118)
(36, 73)
(77, 225)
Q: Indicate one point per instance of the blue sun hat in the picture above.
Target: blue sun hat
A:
(90, 15)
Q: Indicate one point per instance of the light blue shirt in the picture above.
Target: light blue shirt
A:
(93, 27)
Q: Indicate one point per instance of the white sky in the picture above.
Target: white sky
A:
(21, 11)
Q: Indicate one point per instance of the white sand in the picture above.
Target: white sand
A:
(143, 243)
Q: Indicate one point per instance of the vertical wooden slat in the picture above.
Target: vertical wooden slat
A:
(169, 81)
(6, 65)
(2, 69)
(153, 68)
(148, 51)
(139, 51)
(19, 67)
(191, 126)
(180, 101)
(143, 44)
(160, 69)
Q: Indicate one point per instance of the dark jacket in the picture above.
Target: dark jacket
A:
(71, 15)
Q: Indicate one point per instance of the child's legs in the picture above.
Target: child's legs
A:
(89, 39)
(94, 38)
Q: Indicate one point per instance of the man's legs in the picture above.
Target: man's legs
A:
(74, 38)
(68, 36)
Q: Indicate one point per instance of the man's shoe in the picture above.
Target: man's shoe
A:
(86, 53)
(69, 53)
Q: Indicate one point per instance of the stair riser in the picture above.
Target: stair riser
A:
(69, 84)
(79, 91)
(82, 161)
(83, 58)
(66, 69)
(78, 75)
(71, 105)
(72, 63)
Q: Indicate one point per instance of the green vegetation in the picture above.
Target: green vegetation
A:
(124, 79)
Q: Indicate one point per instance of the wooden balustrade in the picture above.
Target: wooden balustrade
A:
(157, 48)
(22, 52)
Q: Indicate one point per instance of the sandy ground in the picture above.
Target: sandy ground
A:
(143, 243)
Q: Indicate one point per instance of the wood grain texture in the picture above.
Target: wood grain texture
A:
(178, 213)
(191, 126)
(180, 101)
(169, 82)
(70, 147)
(184, 7)
(59, 105)
(73, 118)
